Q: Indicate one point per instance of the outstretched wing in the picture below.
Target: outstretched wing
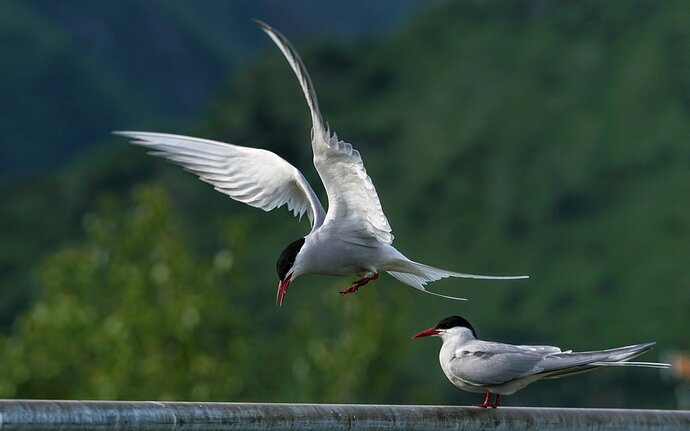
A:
(253, 176)
(352, 198)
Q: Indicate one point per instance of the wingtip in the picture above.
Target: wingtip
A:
(128, 133)
(262, 25)
(131, 134)
(125, 133)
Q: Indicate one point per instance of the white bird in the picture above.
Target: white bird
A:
(352, 238)
(480, 366)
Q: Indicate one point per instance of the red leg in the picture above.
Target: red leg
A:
(359, 283)
(495, 403)
(486, 403)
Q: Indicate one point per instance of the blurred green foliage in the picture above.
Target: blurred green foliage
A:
(544, 138)
(122, 310)
(133, 313)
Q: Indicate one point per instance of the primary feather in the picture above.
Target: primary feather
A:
(256, 177)
(352, 197)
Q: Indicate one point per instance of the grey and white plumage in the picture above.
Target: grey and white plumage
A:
(475, 365)
(352, 238)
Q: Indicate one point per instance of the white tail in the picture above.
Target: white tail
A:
(632, 364)
(418, 275)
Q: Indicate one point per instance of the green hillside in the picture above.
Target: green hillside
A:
(548, 139)
(69, 71)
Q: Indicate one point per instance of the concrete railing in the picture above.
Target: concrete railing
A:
(152, 415)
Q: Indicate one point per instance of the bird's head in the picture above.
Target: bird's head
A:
(285, 266)
(449, 326)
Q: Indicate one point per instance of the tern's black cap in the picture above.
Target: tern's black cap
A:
(287, 258)
(455, 321)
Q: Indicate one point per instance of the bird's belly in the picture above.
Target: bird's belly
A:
(342, 258)
(507, 388)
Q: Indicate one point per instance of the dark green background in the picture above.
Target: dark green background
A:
(544, 138)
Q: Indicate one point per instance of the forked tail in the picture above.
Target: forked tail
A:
(418, 275)
(621, 356)
(569, 363)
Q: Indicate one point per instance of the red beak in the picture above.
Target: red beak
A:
(427, 332)
(282, 290)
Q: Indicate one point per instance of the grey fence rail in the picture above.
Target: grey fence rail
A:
(152, 415)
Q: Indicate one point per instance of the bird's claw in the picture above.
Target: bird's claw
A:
(359, 283)
(350, 289)
(486, 402)
(493, 406)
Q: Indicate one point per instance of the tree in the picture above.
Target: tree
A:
(130, 313)
(133, 312)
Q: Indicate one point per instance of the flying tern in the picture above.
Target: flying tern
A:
(352, 238)
(480, 366)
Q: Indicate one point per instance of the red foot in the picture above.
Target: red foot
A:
(486, 402)
(359, 283)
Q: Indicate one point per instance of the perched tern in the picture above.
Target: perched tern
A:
(474, 365)
(352, 238)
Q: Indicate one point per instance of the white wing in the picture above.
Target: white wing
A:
(352, 198)
(256, 177)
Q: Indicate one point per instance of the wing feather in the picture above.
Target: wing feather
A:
(483, 363)
(352, 197)
(257, 177)
(486, 363)
(568, 362)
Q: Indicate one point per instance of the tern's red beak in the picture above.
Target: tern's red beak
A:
(427, 332)
(282, 290)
